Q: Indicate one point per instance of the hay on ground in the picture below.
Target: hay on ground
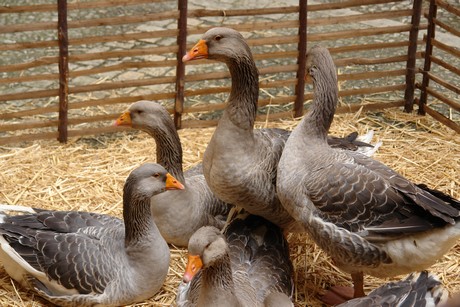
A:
(88, 174)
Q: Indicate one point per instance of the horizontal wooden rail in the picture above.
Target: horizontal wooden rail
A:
(445, 65)
(441, 118)
(344, 4)
(332, 20)
(448, 7)
(444, 47)
(71, 6)
(447, 85)
(96, 22)
(452, 103)
(446, 27)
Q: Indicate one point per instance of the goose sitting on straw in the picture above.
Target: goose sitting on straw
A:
(247, 265)
(240, 162)
(76, 258)
(178, 214)
(368, 218)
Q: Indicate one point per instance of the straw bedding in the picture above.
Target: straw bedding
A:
(88, 174)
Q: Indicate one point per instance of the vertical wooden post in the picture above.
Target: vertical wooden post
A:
(301, 60)
(412, 53)
(63, 70)
(428, 52)
(180, 68)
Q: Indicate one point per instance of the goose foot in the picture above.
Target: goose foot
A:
(338, 295)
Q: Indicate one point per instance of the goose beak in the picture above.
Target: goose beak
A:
(199, 51)
(123, 120)
(172, 183)
(308, 78)
(194, 264)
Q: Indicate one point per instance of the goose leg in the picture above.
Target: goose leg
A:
(358, 284)
(339, 294)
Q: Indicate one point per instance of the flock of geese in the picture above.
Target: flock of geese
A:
(365, 216)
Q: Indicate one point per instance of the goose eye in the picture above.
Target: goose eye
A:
(218, 37)
(156, 175)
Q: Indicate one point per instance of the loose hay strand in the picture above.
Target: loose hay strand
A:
(89, 173)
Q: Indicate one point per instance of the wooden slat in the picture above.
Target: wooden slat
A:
(248, 27)
(92, 71)
(91, 56)
(30, 95)
(446, 27)
(452, 103)
(371, 90)
(439, 80)
(345, 4)
(371, 46)
(449, 49)
(197, 13)
(441, 118)
(35, 63)
(358, 33)
(85, 104)
(446, 65)
(46, 123)
(353, 108)
(448, 7)
(226, 74)
(71, 6)
(93, 39)
(28, 137)
(95, 22)
(371, 75)
(372, 61)
(29, 45)
(331, 20)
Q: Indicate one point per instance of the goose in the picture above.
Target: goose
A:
(178, 214)
(247, 265)
(74, 258)
(367, 217)
(417, 289)
(240, 162)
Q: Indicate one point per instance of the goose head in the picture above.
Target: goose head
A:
(319, 65)
(221, 44)
(150, 179)
(206, 247)
(143, 115)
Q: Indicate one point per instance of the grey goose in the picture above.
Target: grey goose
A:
(240, 162)
(75, 258)
(247, 265)
(178, 214)
(367, 217)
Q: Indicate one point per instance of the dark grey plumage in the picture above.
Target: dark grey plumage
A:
(417, 289)
(366, 216)
(249, 261)
(178, 214)
(240, 162)
(85, 259)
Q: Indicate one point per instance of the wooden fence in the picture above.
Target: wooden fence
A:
(78, 65)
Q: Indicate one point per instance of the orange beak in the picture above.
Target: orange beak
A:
(123, 120)
(172, 183)
(199, 51)
(194, 264)
(308, 78)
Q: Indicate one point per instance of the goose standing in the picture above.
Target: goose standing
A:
(240, 162)
(247, 265)
(85, 259)
(178, 214)
(366, 216)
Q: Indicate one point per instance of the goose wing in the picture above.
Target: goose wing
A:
(365, 196)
